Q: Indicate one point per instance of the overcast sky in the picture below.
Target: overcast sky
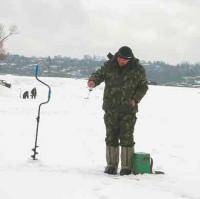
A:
(154, 29)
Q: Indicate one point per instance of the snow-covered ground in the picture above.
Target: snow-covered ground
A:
(72, 149)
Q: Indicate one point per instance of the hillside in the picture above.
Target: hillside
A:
(158, 72)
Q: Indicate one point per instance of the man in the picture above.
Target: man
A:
(33, 93)
(125, 85)
(25, 95)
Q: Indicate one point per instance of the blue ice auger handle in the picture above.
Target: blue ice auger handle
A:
(49, 94)
(36, 70)
(36, 75)
(38, 117)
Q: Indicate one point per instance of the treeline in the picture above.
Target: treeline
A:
(58, 66)
(164, 73)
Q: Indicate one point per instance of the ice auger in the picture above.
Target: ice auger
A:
(38, 116)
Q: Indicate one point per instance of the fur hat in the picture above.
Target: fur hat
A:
(125, 52)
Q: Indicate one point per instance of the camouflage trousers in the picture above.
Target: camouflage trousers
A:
(119, 128)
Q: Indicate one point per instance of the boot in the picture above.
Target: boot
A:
(112, 158)
(126, 160)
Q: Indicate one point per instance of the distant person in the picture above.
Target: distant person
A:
(125, 86)
(33, 93)
(26, 95)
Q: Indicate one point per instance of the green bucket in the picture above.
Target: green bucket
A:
(142, 163)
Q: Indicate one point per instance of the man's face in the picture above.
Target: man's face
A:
(122, 61)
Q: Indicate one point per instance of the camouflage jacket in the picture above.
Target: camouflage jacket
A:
(122, 84)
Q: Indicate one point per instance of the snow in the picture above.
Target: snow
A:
(72, 148)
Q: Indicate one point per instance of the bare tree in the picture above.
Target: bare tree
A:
(4, 36)
(2, 30)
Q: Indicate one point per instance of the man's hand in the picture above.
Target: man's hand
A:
(132, 103)
(91, 84)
